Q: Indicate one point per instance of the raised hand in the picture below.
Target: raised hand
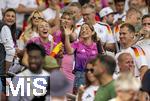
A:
(67, 30)
(144, 32)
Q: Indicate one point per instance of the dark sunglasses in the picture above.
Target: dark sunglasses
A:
(87, 70)
(36, 17)
(144, 24)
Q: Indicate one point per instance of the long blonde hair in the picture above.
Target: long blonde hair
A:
(28, 30)
(30, 24)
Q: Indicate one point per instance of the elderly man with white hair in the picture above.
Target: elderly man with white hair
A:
(127, 87)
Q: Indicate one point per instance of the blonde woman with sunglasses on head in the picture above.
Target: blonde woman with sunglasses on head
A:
(31, 29)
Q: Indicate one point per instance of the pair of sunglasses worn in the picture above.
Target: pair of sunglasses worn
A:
(144, 24)
(87, 70)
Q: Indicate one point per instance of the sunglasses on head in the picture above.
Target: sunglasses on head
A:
(87, 70)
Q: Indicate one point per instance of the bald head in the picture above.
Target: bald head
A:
(125, 62)
(121, 56)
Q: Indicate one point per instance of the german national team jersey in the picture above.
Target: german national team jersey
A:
(104, 32)
(145, 45)
(138, 55)
(89, 93)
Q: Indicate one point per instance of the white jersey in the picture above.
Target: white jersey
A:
(120, 16)
(143, 42)
(89, 93)
(104, 32)
(145, 45)
(138, 55)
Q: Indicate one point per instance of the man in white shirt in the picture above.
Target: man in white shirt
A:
(120, 14)
(133, 17)
(107, 16)
(143, 39)
(34, 72)
(144, 34)
(127, 32)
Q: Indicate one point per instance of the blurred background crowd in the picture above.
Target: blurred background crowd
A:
(91, 50)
